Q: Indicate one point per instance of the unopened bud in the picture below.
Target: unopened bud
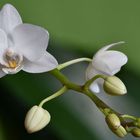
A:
(114, 124)
(137, 122)
(135, 132)
(113, 121)
(120, 132)
(114, 86)
(36, 119)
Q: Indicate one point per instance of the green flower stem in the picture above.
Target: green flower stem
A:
(65, 81)
(129, 124)
(129, 117)
(61, 66)
(104, 108)
(58, 93)
(128, 129)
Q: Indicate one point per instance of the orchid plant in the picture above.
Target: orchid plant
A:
(23, 47)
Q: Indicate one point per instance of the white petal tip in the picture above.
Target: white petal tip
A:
(110, 46)
(117, 43)
(8, 6)
(120, 42)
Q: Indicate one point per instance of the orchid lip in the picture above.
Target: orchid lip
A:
(13, 62)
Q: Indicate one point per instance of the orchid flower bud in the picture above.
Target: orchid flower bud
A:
(114, 86)
(136, 132)
(36, 119)
(114, 124)
(120, 132)
(137, 122)
(113, 121)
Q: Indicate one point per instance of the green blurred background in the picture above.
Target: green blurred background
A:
(78, 28)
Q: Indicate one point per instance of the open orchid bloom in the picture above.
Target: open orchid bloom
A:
(22, 46)
(106, 62)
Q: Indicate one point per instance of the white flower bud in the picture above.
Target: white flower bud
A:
(36, 119)
(114, 86)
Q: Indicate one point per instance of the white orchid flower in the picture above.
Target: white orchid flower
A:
(22, 46)
(106, 62)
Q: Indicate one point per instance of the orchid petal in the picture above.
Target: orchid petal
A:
(46, 63)
(109, 62)
(97, 85)
(31, 40)
(9, 18)
(94, 87)
(11, 70)
(2, 74)
(105, 48)
(91, 72)
(3, 45)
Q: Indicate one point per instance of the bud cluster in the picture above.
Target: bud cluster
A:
(136, 131)
(120, 125)
(137, 122)
(114, 124)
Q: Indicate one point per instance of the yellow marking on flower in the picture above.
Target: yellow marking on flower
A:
(12, 64)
